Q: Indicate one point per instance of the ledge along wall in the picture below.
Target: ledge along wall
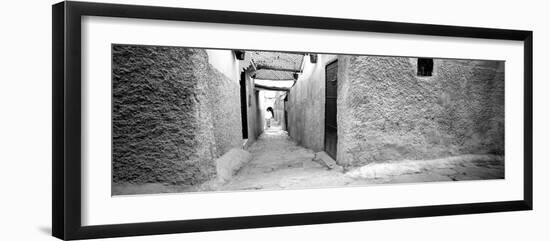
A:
(174, 111)
(306, 104)
(387, 112)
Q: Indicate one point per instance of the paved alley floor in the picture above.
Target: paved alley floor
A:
(279, 163)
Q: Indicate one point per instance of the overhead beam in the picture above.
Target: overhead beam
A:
(253, 65)
(275, 68)
(276, 79)
(263, 87)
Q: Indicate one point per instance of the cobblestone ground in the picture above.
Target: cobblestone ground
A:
(279, 163)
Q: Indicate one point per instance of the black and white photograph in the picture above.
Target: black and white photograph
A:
(190, 119)
(213, 120)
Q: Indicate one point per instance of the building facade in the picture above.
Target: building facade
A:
(396, 108)
(175, 110)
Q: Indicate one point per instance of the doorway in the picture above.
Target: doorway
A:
(244, 107)
(331, 95)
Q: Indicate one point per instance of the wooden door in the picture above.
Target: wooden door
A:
(331, 127)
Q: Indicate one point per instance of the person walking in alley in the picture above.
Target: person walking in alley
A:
(268, 116)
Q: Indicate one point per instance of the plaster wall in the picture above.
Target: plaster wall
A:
(386, 112)
(225, 62)
(174, 112)
(306, 104)
(255, 119)
(223, 92)
(279, 109)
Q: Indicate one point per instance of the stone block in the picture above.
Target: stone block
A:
(325, 160)
(229, 163)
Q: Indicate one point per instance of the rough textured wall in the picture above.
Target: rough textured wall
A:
(225, 108)
(255, 126)
(222, 87)
(279, 109)
(306, 105)
(386, 112)
(168, 107)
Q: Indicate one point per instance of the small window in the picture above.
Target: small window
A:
(425, 67)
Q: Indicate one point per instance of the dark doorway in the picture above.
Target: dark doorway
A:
(286, 121)
(331, 127)
(244, 115)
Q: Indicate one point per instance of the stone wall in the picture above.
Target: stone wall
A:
(386, 112)
(173, 114)
(306, 105)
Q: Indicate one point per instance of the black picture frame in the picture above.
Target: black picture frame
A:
(66, 127)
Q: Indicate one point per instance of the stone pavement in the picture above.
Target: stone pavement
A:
(279, 163)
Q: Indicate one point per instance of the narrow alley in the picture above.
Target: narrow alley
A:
(195, 119)
(279, 163)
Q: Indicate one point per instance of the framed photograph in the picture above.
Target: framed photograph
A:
(172, 120)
